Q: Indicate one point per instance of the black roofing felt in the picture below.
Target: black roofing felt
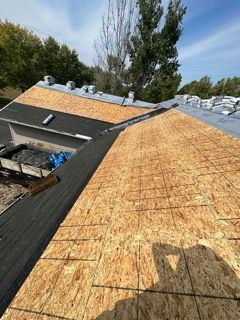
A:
(27, 227)
(5, 134)
(63, 122)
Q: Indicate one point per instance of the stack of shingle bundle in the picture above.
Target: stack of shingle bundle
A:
(221, 104)
(194, 101)
(225, 104)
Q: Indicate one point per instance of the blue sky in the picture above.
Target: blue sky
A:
(209, 46)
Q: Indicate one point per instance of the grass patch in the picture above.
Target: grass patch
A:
(7, 95)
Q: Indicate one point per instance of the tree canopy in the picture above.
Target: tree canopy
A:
(204, 88)
(25, 58)
(149, 65)
(21, 52)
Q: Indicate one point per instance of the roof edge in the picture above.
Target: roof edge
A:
(104, 97)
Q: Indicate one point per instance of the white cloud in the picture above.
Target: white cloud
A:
(223, 42)
(46, 18)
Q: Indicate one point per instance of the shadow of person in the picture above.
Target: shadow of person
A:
(194, 283)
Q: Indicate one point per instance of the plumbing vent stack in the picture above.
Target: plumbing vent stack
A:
(48, 119)
(92, 89)
(71, 85)
(49, 80)
(131, 96)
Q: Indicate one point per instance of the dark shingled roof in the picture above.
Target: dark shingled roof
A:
(5, 135)
(63, 122)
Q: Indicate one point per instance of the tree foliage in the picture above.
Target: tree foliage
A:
(25, 59)
(21, 63)
(63, 63)
(144, 45)
(204, 88)
(201, 88)
(227, 86)
(153, 51)
(136, 49)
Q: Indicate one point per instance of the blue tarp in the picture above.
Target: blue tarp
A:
(58, 158)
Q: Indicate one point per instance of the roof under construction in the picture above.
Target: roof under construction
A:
(147, 226)
(32, 116)
(78, 105)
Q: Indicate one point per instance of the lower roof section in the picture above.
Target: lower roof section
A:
(5, 134)
(62, 122)
(27, 226)
(154, 235)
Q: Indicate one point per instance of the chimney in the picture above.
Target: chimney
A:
(49, 80)
(71, 85)
(131, 96)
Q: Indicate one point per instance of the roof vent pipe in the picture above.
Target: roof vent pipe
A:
(49, 80)
(131, 96)
(71, 85)
(48, 119)
(92, 89)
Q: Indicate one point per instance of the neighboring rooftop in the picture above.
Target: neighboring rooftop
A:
(154, 234)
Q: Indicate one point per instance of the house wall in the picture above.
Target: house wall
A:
(44, 140)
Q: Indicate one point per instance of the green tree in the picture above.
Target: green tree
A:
(188, 88)
(153, 52)
(63, 63)
(21, 62)
(3, 80)
(204, 87)
(227, 86)
(50, 56)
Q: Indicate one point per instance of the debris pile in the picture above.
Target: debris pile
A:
(36, 158)
(9, 192)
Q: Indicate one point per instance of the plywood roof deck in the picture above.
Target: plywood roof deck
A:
(154, 235)
(64, 102)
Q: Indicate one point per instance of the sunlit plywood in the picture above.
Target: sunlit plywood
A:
(119, 265)
(109, 304)
(59, 101)
(69, 295)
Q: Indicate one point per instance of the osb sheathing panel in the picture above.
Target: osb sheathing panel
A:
(111, 303)
(218, 309)
(166, 306)
(59, 101)
(163, 267)
(11, 314)
(119, 265)
(154, 235)
(214, 267)
(69, 295)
